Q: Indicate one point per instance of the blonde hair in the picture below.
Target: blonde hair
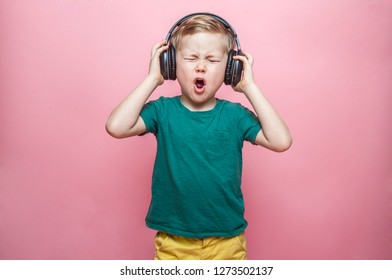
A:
(202, 23)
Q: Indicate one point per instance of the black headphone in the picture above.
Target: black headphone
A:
(233, 70)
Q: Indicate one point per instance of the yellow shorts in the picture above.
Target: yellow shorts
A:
(173, 247)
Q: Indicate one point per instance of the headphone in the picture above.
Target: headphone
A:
(233, 70)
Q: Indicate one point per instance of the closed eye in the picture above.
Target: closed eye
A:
(213, 59)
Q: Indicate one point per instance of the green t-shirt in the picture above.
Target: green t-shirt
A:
(196, 182)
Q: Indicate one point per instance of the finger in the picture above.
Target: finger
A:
(249, 57)
(247, 62)
(155, 49)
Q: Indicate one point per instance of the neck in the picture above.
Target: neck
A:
(198, 107)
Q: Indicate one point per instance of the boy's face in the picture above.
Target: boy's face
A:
(201, 62)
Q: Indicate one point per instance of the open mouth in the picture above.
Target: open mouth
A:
(199, 83)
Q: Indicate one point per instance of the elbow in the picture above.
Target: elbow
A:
(283, 145)
(113, 131)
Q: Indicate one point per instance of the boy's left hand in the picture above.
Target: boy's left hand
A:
(247, 73)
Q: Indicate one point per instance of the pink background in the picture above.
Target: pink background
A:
(70, 191)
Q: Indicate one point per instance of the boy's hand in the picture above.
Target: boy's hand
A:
(247, 74)
(154, 70)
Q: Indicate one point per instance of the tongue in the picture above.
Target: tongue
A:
(199, 87)
(199, 84)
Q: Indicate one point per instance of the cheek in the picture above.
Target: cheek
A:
(182, 74)
(219, 72)
(183, 69)
(184, 79)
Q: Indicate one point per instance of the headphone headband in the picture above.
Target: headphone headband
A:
(218, 18)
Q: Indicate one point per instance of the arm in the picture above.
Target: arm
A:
(125, 120)
(274, 134)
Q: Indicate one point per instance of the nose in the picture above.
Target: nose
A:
(201, 67)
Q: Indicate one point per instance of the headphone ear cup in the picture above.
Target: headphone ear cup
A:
(233, 71)
(237, 71)
(172, 63)
(167, 62)
(164, 64)
(229, 68)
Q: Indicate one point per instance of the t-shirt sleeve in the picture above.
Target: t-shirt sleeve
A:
(249, 124)
(149, 114)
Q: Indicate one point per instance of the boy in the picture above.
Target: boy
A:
(197, 205)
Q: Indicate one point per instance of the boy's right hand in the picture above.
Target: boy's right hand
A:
(154, 70)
